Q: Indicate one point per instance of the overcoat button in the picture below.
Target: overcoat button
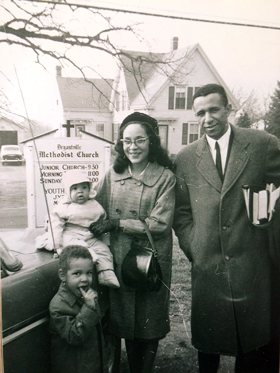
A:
(122, 182)
(118, 211)
(227, 257)
(224, 227)
(139, 183)
(133, 212)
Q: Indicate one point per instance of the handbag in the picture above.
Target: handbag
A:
(140, 268)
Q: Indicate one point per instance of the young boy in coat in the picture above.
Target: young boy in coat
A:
(77, 343)
(70, 221)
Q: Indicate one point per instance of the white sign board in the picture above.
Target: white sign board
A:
(46, 162)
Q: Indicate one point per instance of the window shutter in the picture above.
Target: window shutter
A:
(99, 127)
(185, 133)
(171, 98)
(190, 96)
(194, 129)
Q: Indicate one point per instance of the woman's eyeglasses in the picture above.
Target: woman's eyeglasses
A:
(138, 142)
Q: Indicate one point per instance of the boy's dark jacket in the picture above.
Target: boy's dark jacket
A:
(75, 330)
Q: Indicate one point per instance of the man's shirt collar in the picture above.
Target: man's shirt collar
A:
(223, 141)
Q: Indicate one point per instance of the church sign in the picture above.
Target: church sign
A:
(46, 162)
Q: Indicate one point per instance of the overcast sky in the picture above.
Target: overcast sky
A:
(245, 57)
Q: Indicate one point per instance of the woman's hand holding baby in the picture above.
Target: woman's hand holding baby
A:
(103, 226)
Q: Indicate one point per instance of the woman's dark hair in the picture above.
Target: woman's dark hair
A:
(156, 152)
(72, 252)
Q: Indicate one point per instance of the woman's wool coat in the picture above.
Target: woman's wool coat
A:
(152, 199)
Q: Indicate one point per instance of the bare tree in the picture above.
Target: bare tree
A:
(57, 29)
(250, 104)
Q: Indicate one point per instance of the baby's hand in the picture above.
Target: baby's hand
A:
(90, 298)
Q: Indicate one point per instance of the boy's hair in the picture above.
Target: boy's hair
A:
(72, 252)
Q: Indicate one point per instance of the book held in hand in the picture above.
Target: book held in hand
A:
(260, 202)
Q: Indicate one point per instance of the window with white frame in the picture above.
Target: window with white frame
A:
(180, 97)
(99, 129)
(88, 125)
(190, 133)
(78, 128)
(81, 125)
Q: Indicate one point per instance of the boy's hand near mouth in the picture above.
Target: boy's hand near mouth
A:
(90, 297)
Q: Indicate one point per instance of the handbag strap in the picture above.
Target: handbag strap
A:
(148, 233)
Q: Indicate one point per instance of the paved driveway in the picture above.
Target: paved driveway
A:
(13, 199)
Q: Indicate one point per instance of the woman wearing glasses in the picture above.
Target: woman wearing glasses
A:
(139, 187)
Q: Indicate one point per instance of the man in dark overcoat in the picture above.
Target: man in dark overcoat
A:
(231, 263)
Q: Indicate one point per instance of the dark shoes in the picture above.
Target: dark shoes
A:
(8, 261)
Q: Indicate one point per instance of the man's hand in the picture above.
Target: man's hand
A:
(90, 298)
(103, 226)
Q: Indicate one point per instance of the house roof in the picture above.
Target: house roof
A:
(39, 136)
(140, 65)
(90, 94)
(147, 73)
(53, 131)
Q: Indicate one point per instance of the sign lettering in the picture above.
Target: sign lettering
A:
(55, 157)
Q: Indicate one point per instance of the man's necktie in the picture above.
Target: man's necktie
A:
(219, 161)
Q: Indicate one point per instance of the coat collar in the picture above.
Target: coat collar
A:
(237, 160)
(70, 298)
(149, 178)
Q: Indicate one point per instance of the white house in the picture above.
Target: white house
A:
(86, 104)
(159, 84)
(165, 91)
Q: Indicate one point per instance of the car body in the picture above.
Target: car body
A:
(26, 295)
(11, 154)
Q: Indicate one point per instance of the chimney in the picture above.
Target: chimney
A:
(174, 43)
(58, 71)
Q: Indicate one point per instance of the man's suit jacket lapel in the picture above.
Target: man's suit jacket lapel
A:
(237, 161)
(206, 166)
(238, 158)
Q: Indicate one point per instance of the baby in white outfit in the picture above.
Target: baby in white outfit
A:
(69, 222)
